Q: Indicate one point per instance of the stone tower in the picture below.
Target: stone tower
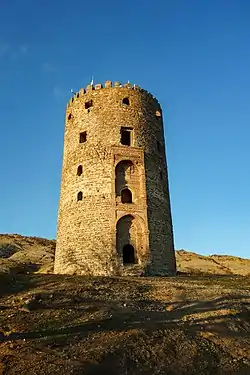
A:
(114, 212)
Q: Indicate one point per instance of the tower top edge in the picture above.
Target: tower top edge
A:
(110, 85)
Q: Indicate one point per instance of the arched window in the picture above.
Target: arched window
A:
(126, 196)
(128, 254)
(79, 170)
(79, 196)
(158, 114)
(125, 101)
(70, 116)
(83, 137)
(124, 171)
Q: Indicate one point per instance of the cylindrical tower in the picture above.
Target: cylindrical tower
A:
(114, 212)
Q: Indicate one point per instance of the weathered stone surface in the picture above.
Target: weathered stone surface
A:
(105, 234)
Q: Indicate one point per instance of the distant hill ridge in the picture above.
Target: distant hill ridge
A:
(34, 254)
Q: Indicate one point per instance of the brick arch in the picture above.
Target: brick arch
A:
(130, 230)
(123, 174)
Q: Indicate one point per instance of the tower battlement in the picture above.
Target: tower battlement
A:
(108, 85)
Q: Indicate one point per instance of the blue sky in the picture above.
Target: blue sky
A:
(193, 55)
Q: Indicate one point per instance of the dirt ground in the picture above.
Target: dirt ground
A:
(52, 324)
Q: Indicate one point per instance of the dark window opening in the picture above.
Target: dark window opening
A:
(128, 254)
(126, 136)
(79, 170)
(125, 101)
(88, 104)
(126, 196)
(72, 100)
(158, 146)
(83, 137)
(79, 196)
(69, 116)
(77, 95)
(161, 175)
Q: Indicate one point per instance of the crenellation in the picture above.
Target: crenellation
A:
(82, 92)
(108, 84)
(127, 86)
(90, 88)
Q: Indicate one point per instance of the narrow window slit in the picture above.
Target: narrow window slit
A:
(79, 196)
(158, 146)
(79, 170)
(83, 137)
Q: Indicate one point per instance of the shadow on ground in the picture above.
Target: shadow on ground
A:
(80, 325)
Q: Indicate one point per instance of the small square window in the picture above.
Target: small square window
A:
(125, 101)
(126, 135)
(83, 137)
(89, 104)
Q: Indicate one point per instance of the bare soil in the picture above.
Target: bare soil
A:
(53, 324)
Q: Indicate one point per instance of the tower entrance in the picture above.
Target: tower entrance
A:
(130, 240)
(128, 254)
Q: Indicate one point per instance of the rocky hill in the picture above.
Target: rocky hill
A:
(192, 263)
(21, 254)
(195, 323)
(33, 254)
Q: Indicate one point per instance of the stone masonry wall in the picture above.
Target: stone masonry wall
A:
(88, 229)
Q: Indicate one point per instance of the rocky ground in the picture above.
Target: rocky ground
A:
(53, 324)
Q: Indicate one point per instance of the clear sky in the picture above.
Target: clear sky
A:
(193, 55)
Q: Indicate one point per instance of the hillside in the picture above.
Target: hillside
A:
(33, 254)
(184, 325)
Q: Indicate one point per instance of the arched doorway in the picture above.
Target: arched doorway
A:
(130, 239)
(126, 196)
(128, 254)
